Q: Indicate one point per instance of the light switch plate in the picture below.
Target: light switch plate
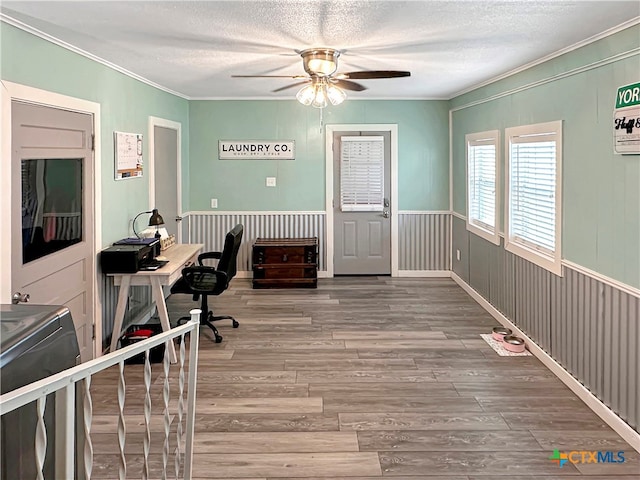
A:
(271, 181)
(214, 203)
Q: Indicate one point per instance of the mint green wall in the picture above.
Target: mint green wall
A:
(423, 165)
(601, 190)
(125, 103)
(601, 199)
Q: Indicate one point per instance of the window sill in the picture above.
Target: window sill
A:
(552, 264)
(488, 235)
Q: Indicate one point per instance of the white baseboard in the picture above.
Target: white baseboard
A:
(605, 413)
(424, 273)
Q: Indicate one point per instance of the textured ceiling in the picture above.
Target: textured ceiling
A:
(193, 48)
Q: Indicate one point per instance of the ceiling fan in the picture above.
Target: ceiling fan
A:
(322, 84)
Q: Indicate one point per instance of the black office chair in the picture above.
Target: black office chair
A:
(202, 280)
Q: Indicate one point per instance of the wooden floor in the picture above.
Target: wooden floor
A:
(364, 378)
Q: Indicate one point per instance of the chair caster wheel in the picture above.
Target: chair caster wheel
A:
(235, 324)
(218, 338)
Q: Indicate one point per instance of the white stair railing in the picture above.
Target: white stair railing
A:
(63, 385)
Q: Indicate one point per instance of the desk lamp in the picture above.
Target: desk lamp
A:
(154, 221)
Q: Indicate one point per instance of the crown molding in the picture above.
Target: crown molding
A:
(50, 38)
(571, 48)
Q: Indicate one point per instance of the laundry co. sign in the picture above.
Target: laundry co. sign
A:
(253, 149)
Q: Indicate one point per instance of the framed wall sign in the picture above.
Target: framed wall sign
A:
(256, 149)
(128, 155)
(626, 120)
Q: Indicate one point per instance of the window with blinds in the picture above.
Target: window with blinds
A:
(534, 192)
(482, 178)
(362, 174)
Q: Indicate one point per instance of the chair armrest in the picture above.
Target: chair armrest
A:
(206, 255)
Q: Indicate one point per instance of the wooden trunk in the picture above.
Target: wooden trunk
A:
(285, 262)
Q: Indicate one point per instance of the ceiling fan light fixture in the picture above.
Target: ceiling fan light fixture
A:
(320, 99)
(321, 62)
(321, 85)
(320, 93)
(335, 95)
(306, 94)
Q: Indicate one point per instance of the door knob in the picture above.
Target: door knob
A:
(178, 219)
(386, 214)
(20, 298)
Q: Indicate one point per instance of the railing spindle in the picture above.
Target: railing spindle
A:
(167, 416)
(147, 414)
(87, 418)
(180, 406)
(41, 437)
(194, 339)
(65, 432)
(122, 428)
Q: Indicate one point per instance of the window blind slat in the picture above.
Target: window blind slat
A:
(533, 191)
(481, 183)
(362, 174)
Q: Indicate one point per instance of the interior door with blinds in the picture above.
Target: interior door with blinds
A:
(362, 224)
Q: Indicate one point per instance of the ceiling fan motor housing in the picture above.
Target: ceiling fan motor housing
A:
(321, 62)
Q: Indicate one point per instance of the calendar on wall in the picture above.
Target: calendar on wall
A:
(128, 155)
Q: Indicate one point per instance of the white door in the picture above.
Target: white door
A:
(361, 203)
(166, 175)
(52, 219)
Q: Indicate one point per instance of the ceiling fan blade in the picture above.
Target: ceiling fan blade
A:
(295, 77)
(297, 84)
(348, 85)
(373, 74)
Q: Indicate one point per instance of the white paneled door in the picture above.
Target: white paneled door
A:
(52, 212)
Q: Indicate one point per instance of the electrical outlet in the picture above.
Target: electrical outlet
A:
(214, 203)
(458, 254)
(271, 181)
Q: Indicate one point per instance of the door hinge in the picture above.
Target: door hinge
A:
(93, 331)
(93, 144)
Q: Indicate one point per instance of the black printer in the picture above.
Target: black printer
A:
(129, 255)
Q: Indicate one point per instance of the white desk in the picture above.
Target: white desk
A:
(179, 256)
